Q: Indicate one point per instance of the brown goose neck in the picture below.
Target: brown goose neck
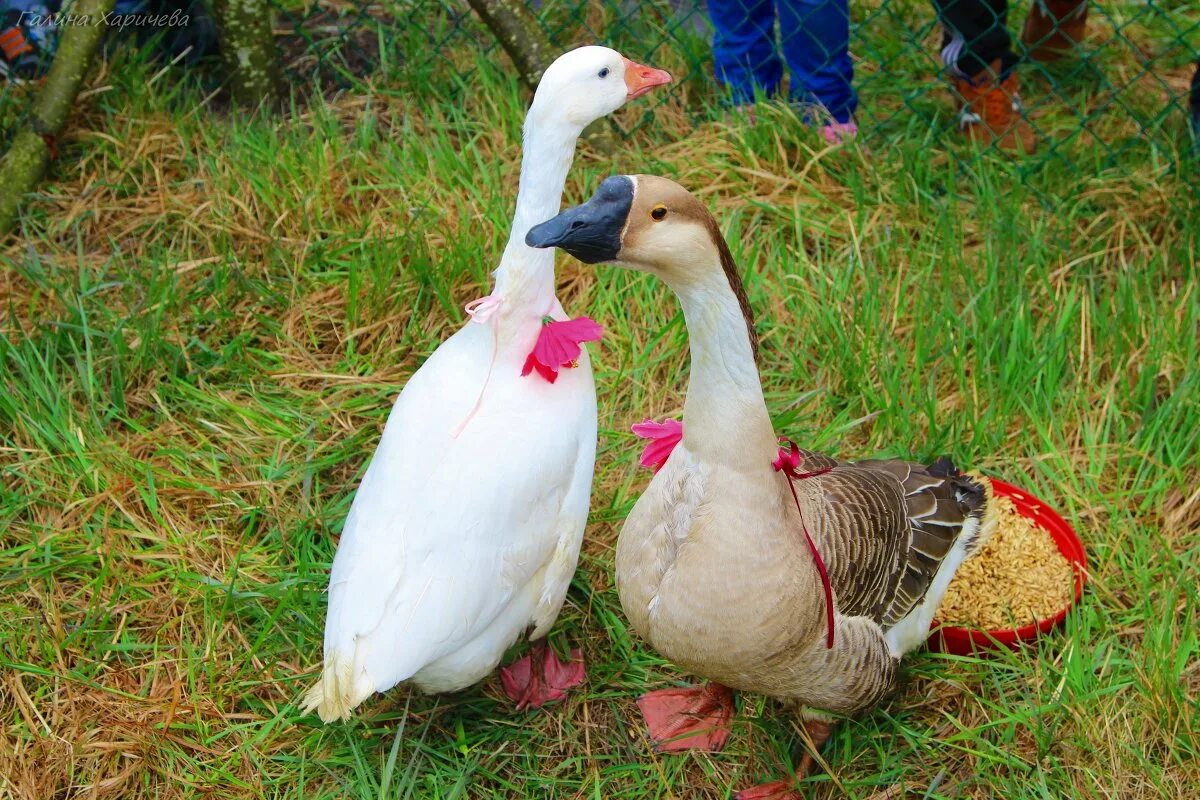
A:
(734, 277)
(725, 415)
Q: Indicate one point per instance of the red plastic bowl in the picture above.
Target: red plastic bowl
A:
(967, 641)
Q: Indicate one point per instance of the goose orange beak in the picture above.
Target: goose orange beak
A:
(640, 79)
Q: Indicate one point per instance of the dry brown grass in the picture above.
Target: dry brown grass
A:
(210, 317)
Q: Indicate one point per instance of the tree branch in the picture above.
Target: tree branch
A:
(248, 52)
(35, 144)
(518, 32)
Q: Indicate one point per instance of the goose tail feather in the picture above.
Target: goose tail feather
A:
(983, 500)
(336, 692)
(976, 499)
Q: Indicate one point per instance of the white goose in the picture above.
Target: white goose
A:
(466, 528)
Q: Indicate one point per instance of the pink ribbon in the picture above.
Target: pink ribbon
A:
(484, 308)
(480, 310)
(788, 462)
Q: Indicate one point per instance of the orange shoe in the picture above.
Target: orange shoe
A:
(1054, 28)
(20, 59)
(992, 113)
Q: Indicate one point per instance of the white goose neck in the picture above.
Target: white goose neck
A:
(525, 277)
(725, 416)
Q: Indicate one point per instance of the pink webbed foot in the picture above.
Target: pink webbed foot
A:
(775, 790)
(540, 677)
(818, 732)
(695, 718)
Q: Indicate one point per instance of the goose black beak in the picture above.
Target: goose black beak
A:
(591, 232)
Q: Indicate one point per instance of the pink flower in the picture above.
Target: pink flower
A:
(663, 438)
(558, 345)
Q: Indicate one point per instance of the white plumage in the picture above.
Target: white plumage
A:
(466, 528)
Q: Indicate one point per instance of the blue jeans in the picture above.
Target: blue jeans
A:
(815, 38)
(31, 6)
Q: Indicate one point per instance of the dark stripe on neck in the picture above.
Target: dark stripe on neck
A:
(735, 282)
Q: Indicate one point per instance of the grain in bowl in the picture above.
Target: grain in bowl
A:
(1020, 577)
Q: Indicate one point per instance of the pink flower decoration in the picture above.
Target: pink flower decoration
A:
(558, 345)
(663, 438)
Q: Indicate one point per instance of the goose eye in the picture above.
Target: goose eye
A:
(604, 72)
(658, 213)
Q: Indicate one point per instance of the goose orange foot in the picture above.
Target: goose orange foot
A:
(775, 790)
(818, 732)
(540, 677)
(693, 718)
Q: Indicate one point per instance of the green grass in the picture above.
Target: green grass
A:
(208, 318)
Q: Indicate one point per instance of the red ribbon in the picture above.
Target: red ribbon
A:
(788, 462)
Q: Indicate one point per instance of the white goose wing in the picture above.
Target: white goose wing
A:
(444, 531)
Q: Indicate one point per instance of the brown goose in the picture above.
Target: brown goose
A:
(712, 566)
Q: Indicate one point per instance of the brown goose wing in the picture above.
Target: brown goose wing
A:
(857, 518)
(885, 525)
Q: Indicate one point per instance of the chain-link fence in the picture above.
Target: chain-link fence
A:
(1070, 84)
(1064, 84)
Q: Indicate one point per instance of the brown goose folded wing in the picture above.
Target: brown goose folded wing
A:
(888, 524)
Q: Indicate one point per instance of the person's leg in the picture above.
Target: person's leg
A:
(1054, 27)
(978, 54)
(744, 46)
(28, 6)
(976, 36)
(816, 44)
(26, 37)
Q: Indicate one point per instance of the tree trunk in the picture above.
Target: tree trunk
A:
(518, 32)
(248, 52)
(35, 143)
